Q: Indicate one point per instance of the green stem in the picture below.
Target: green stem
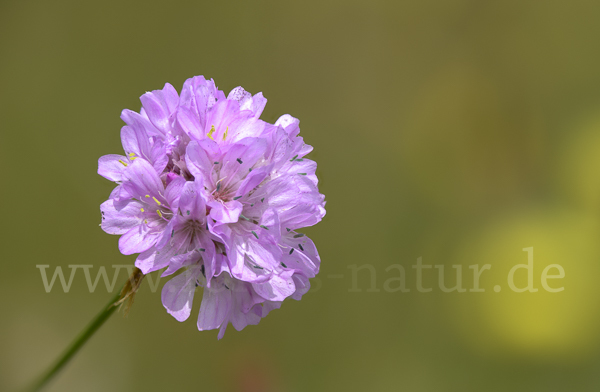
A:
(77, 343)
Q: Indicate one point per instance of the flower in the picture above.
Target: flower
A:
(208, 189)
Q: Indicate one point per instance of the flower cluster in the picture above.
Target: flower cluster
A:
(208, 188)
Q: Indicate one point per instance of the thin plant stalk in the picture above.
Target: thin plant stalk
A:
(127, 292)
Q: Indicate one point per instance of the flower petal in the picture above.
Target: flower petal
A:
(240, 158)
(157, 108)
(278, 288)
(173, 192)
(154, 259)
(121, 220)
(138, 239)
(215, 307)
(199, 163)
(178, 293)
(111, 166)
(191, 202)
(304, 257)
(142, 180)
(228, 212)
(190, 124)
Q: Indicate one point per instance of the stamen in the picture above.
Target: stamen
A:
(141, 209)
(188, 212)
(288, 229)
(295, 156)
(216, 163)
(132, 154)
(264, 227)
(299, 235)
(262, 200)
(301, 248)
(239, 161)
(202, 269)
(219, 184)
(201, 250)
(124, 164)
(225, 134)
(283, 265)
(159, 213)
(254, 233)
(243, 217)
(210, 133)
(291, 251)
(302, 174)
(237, 197)
(257, 267)
(147, 195)
(157, 202)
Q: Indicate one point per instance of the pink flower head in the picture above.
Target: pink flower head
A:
(207, 188)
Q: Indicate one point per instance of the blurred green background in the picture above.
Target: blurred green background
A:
(456, 131)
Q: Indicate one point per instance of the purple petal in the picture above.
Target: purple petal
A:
(170, 97)
(111, 166)
(135, 140)
(214, 309)
(158, 115)
(173, 191)
(198, 162)
(119, 193)
(228, 212)
(290, 124)
(254, 179)
(120, 221)
(278, 288)
(302, 286)
(131, 118)
(154, 259)
(252, 260)
(305, 260)
(138, 239)
(142, 180)
(246, 101)
(178, 294)
(191, 202)
(220, 117)
(190, 124)
(240, 158)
